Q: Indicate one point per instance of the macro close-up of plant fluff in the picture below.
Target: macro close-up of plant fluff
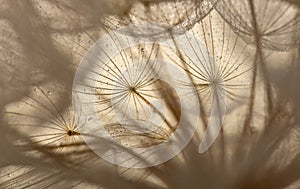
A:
(150, 94)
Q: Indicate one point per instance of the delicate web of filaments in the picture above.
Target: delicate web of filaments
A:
(278, 22)
(140, 81)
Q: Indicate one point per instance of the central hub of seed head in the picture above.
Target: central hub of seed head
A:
(72, 133)
(131, 89)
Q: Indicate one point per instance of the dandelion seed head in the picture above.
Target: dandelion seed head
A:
(274, 22)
